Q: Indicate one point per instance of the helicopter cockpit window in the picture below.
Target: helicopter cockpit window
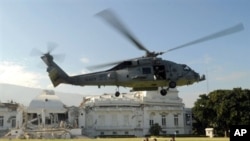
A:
(186, 68)
(146, 70)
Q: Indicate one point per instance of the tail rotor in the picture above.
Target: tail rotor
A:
(48, 56)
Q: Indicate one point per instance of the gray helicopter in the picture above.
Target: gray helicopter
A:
(146, 73)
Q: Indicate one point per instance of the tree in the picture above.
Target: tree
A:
(201, 110)
(155, 129)
(220, 109)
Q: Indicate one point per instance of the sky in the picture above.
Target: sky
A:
(87, 40)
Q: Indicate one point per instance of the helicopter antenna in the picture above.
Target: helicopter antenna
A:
(207, 81)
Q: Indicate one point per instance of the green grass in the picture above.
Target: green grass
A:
(126, 139)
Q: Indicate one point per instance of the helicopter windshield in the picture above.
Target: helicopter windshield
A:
(186, 68)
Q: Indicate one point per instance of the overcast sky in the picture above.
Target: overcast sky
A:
(86, 40)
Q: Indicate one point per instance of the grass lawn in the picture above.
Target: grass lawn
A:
(126, 139)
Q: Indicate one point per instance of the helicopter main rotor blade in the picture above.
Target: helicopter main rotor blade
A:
(96, 67)
(100, 66)
(114, 21)
(225, 32)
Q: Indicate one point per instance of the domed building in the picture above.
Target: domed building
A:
(46, 110)
(48, 102)
(45, 117)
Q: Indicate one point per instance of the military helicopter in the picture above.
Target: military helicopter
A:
(145, 73)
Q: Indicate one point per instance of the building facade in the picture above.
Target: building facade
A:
(129, 114)
(132, 114)
(8, 113)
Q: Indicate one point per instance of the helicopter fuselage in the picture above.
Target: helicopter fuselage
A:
(146, 73)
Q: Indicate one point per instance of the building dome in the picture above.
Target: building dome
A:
(47, 101)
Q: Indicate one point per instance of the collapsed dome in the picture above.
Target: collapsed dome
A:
(47, 101)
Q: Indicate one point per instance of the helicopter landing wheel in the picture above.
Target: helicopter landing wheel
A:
(117, 93)
(172, 84)
(163, 92)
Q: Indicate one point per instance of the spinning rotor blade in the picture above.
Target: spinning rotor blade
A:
(113, 20)
(50, 47)
(36, 52)
(96, 67)
(225, 32)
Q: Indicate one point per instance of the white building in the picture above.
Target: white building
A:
(7, 116)
(129, 114)
(134, 113)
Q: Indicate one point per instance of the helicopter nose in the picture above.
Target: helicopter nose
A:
(198, 77)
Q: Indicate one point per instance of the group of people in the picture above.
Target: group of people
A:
(154, 139)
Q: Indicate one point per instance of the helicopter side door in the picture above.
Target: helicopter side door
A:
(159, 72)
(173, 71)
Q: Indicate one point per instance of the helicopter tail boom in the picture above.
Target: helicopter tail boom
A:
(57, 75)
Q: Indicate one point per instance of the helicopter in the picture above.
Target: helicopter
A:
(146, 73)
